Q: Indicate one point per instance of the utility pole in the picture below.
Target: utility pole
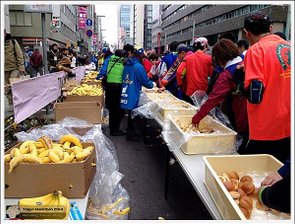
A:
(43, 20)
(44, 43)
(193, 36)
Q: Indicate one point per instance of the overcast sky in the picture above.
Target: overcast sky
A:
(109, 22)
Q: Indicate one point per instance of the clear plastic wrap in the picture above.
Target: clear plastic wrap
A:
(146, 110)
(200, 97)
(105, 186)
(211, 137)
(117, 207)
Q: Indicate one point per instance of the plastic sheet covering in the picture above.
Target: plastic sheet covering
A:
(147, 110)
(211, 137)
(117, 209)
(200, 97)
(105, 187)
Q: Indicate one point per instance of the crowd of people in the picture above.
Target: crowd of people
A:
(248, 79)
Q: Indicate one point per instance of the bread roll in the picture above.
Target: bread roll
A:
(247, 198)
(229, 185)
(241, 192)
(234, 194)
(246, 213)
(233, 174)
(224, 175)
(235, 183)
(248, 187)
(254, 194)
(244, 203)
(246, 178)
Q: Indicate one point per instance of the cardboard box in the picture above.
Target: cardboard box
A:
(201, 143)
(32, 180)
(88, 111)
(71, 98)
(216, 165)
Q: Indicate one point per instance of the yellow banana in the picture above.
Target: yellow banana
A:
(36, 201)
(67, 145)
(33, 149)
(25, 150)
(53, 156)
(77, 150)
(7, 158)
(56, 145)
(83, 155)
(66, 154)
(89, 148)
(39, 145)
(25, 144)
(58, 152)
(70, 138)
(17, 152)
(46, 159)
(43, 154)
(67, 159)
(124, 211)
(69, 150)
(40, 150)
(46, 141)
(23, 158)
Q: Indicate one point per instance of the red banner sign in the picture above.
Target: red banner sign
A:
(82, 17)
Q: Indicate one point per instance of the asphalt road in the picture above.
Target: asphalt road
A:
(143, 166)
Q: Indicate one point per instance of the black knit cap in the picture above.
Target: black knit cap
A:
(257, 23)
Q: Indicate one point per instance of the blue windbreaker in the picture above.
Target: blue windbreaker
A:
(104, 67)
(134, 77)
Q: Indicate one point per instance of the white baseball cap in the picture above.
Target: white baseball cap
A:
(202, 40)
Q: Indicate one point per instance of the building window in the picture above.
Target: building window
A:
(19, 18)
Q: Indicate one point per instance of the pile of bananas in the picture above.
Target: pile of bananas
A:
(87, 90)
(91, 75)
(176, 104)
(189, 127)
(49, 206)
(68, 150)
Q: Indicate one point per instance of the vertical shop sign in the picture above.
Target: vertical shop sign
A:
(82, 17)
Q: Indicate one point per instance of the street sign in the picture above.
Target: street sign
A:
(89, 22)
(41, 8)
(89, 33)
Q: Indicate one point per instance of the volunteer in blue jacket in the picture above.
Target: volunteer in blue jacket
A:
(104, 68)
(134, 77)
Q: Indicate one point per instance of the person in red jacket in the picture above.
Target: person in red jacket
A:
(36, 61)
(198, 68)
(226, 54)
(268, 80)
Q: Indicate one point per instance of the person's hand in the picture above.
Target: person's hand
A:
(241, 66)
(160, 90)
(271, 179)
(195, 121)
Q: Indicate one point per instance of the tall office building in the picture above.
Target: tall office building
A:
(156, 26)
(138, 22)
(148, 22)
(211, 20)
(142, 25)
(124, 23)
